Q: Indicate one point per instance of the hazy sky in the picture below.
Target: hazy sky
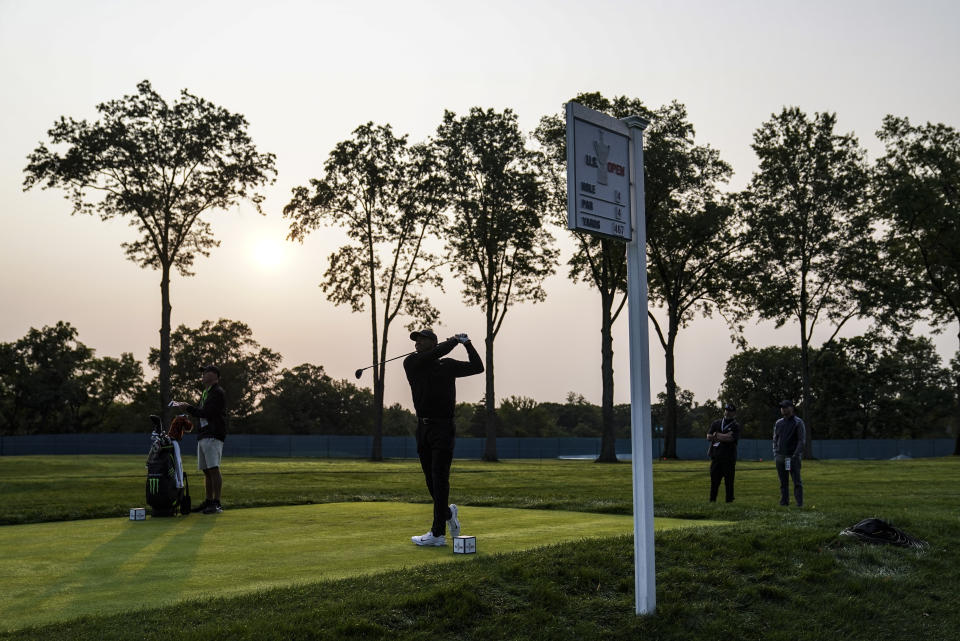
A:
(305, 74)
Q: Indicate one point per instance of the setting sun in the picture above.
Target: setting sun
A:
(269, 254)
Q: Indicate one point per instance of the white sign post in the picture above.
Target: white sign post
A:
(605, 167)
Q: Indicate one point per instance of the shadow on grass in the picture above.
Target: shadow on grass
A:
(126, 560)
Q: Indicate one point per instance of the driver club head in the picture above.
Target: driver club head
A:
(358, 373)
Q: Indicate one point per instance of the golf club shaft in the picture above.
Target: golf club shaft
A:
(386, 361)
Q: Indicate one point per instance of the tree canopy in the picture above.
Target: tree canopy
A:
(599, 262)
(811, 254)
(52, 382)
(499, 246)
(389, 198)
(247, 369)
(160, 166)
(918, 197)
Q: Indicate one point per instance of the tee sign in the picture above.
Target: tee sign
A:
(598, 173)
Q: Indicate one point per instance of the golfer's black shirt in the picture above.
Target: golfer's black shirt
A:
(433, 378)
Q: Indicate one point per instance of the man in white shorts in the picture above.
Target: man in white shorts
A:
(212, 413)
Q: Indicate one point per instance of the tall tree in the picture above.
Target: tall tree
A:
(497, 240)
(388, 197)
(161, 166)
(811, 255)
(599, 262)
(918, 196)
(247, 370)
(693, 240)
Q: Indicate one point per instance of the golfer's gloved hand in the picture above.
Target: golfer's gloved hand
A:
(463, 338)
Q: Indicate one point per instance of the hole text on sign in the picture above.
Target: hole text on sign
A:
(590, 188)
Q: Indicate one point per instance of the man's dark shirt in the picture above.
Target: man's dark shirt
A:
(213, 408)
(433, 378)
(789, 436)
(722, 448)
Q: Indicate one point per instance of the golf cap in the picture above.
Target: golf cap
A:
(730, 407)
(211, 368)
(423, 333)
(786, 403)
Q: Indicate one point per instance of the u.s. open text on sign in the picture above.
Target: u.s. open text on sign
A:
(598, 176)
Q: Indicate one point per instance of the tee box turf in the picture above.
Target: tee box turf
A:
(465, 545)
(138, 514)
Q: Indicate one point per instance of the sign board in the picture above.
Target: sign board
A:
(598, 173)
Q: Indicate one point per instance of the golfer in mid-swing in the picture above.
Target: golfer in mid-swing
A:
(433, 384)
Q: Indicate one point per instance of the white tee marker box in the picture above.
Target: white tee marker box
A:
(138, 514)
(465, 545)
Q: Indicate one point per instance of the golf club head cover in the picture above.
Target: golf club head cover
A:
(178, 426)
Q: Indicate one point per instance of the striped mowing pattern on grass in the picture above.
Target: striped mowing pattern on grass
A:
(60, 571)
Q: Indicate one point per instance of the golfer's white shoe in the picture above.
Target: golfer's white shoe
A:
(453, 523)
(429, 539)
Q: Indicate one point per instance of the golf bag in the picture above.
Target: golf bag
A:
(168, 492)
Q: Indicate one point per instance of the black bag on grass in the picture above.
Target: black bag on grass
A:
(163, 495)
(880, 532)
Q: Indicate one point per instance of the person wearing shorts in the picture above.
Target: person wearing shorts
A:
(212, 413)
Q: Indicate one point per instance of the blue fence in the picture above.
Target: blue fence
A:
(466, 448)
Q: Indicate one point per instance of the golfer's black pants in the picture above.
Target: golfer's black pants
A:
(722, 467)
(785, 475)
(435, 439)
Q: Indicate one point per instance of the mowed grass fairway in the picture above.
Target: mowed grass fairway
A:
(61, 571)
(556, 556)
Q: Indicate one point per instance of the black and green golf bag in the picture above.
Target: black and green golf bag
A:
(164, 495)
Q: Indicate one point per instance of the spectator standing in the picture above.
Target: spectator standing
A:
(723, 435)
(789, 438)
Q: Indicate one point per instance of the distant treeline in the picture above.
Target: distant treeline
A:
(50, 382)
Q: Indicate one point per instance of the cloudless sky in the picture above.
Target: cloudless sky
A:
(305, 74)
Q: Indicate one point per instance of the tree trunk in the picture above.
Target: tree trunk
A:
(165, 311)
(608, 441)
(956, 445)
(376, 453)
(379, 384)
(670, 408)
(807, 405)
(490, 408)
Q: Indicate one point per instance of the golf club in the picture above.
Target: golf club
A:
(359, 372)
